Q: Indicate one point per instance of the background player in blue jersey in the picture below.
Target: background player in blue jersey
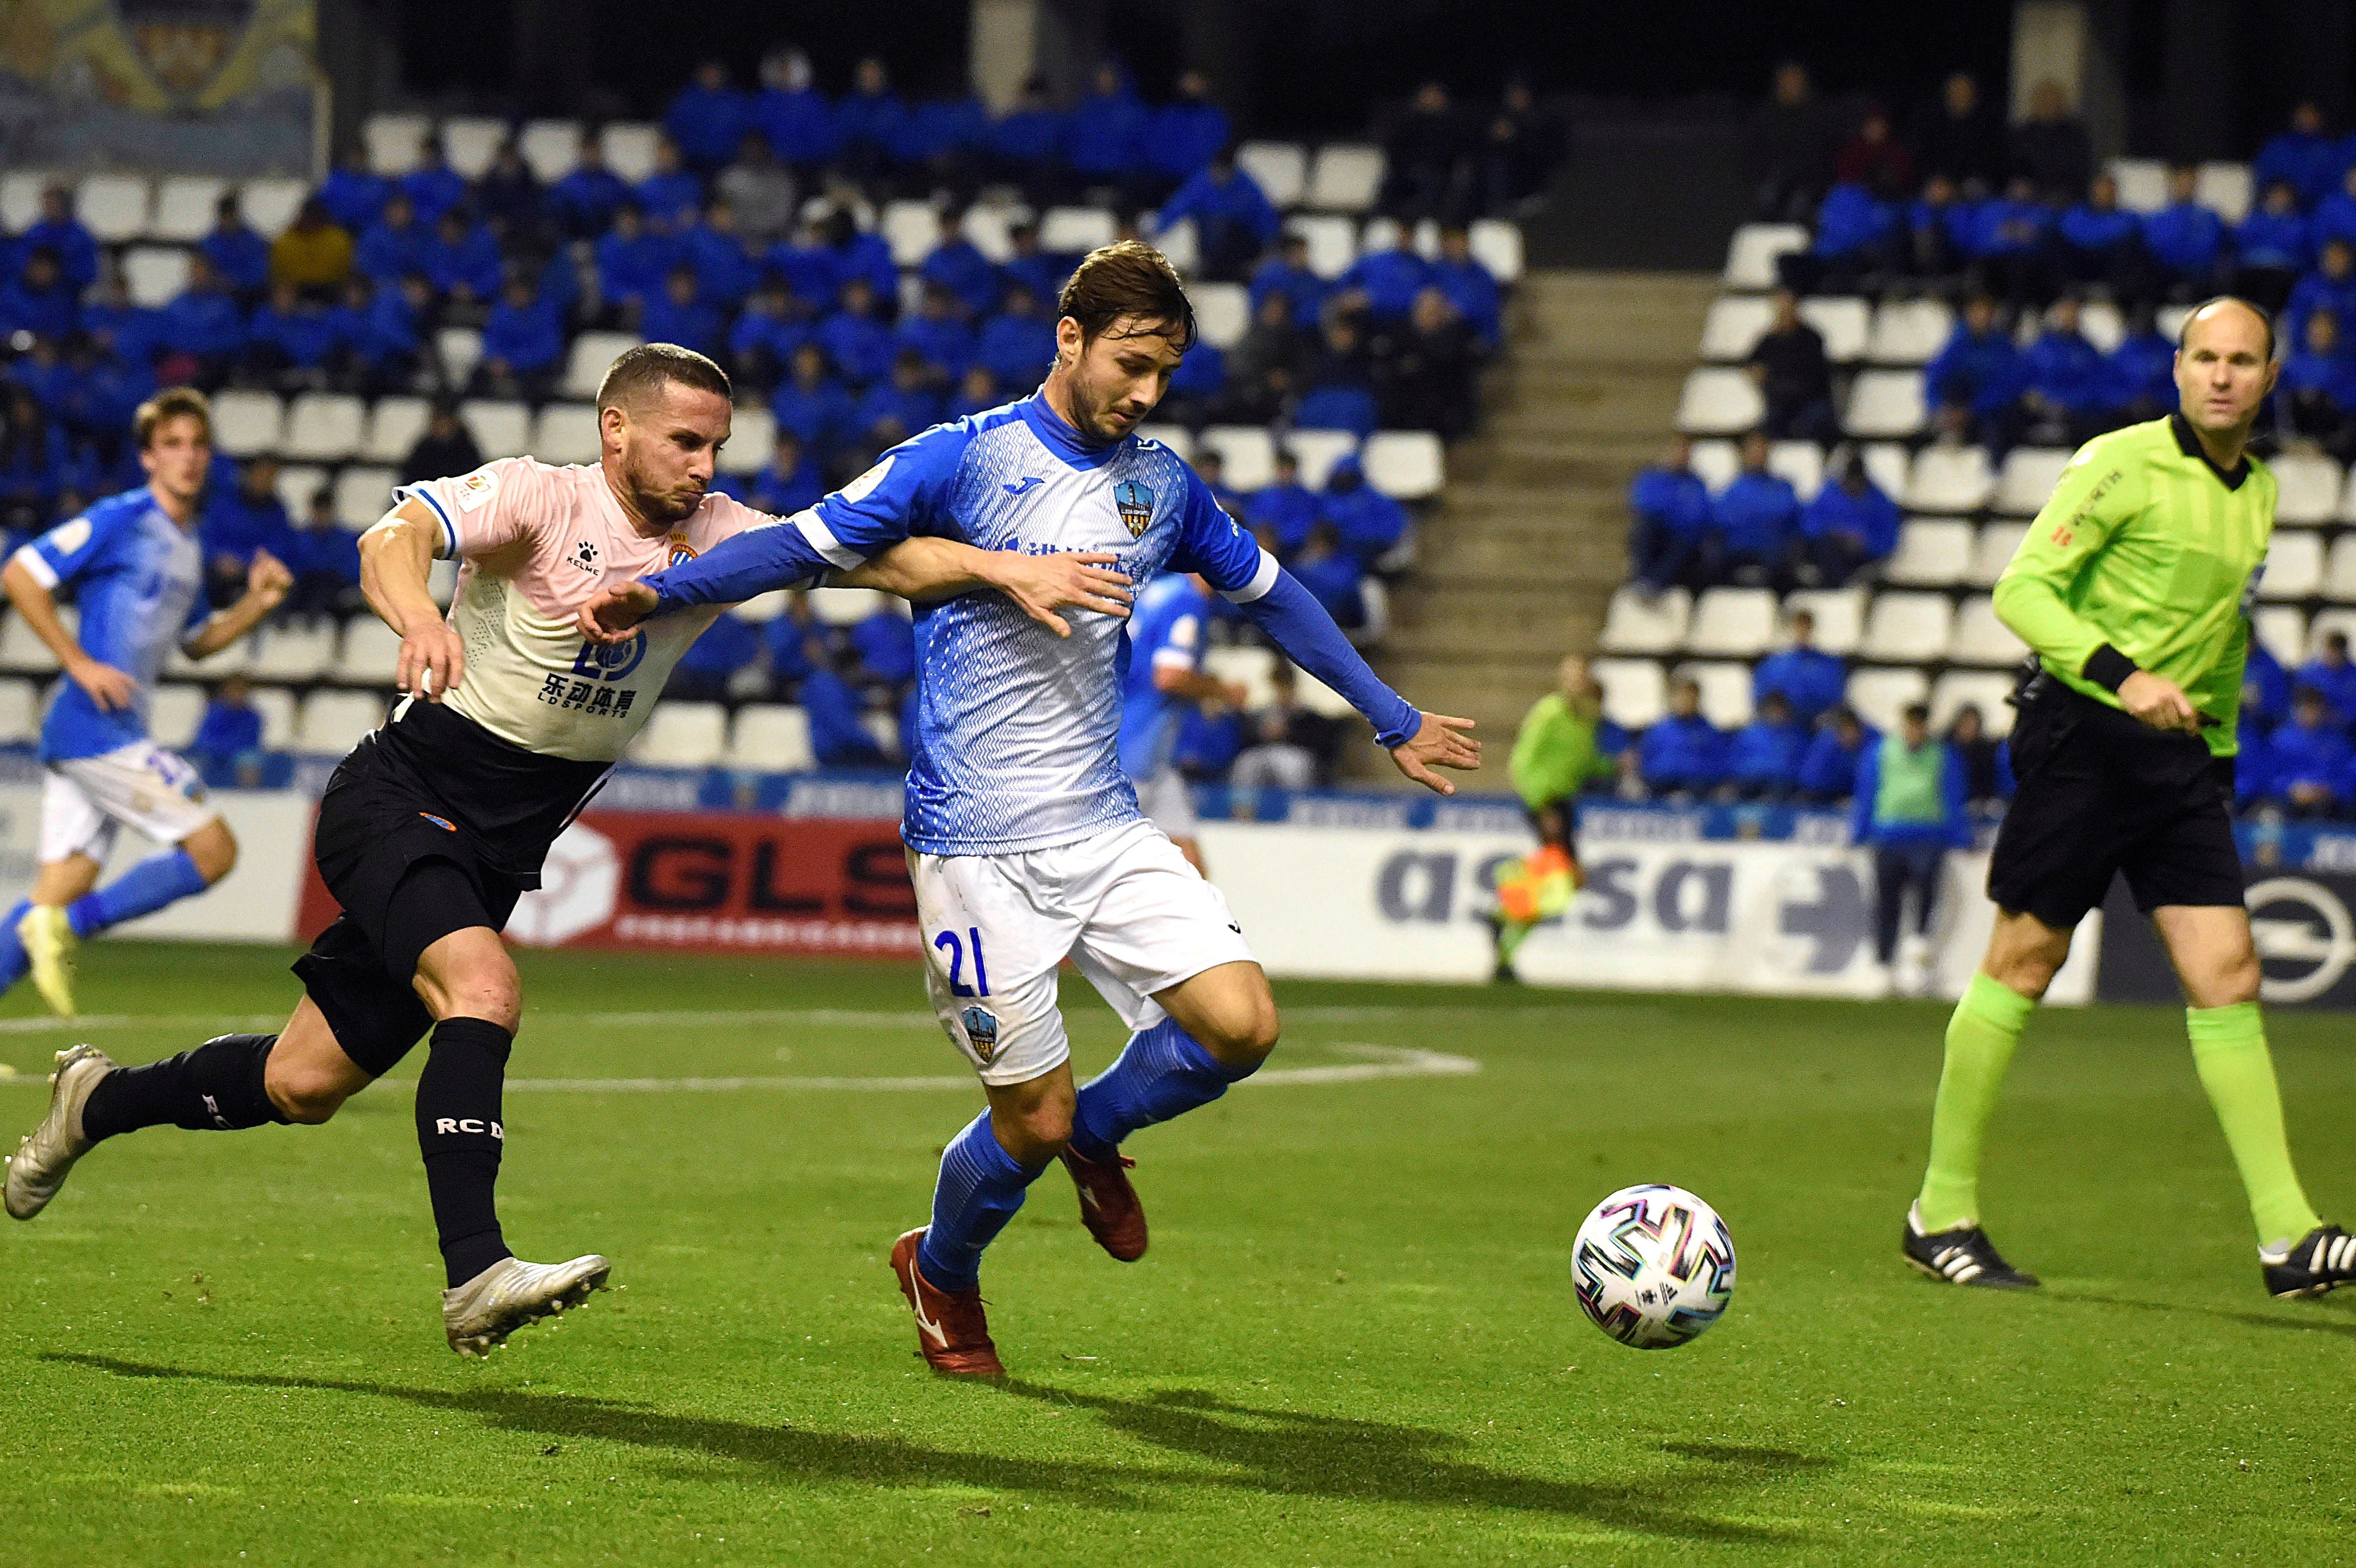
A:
(1024, 839)
(131, 564)
(1164, 677)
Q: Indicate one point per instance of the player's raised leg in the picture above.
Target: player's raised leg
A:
(63, 911)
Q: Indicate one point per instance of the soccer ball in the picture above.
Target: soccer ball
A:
(1654, 1265)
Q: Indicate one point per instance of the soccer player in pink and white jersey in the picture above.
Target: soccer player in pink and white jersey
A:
(436, 823)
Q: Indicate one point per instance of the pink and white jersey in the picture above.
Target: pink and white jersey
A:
(536, 542)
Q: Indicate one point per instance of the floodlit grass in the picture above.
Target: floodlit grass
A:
(1353, 1340)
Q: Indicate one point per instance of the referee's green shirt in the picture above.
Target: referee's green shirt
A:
(2149, 546)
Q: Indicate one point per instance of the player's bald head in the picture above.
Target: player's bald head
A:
(635, 382)
(2227, 313)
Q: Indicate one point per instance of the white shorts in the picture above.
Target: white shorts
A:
(1126, 908)
(1167, 803)
(86, 799)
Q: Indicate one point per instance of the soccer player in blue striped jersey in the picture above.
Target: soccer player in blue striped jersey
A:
(1025, 841)
(1165, 678)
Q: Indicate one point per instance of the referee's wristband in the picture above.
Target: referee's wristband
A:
(2108, 669)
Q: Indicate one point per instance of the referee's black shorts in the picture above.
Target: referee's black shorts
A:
(406, 877)
(2102, 794)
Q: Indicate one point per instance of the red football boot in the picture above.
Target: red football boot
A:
(952, 1330)
(1109, 1205)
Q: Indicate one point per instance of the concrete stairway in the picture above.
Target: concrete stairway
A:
(1531, 535)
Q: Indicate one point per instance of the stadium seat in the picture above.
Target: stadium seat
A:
(1801, 463)
(1344, 177)
(844, 606)
(468, 140)
(500, 428)
(1176, 437)
(1993, 551)
(682, 735)
(2170, 319)
(324, 427)
(1725, 691)
(2101, 323)
(1497, 245)
(751, 439)
(394, 424)
(1750, 255)
(2326, 623)
(172, 713)
(296, 481)
(1880, 696)
(2294, 565)
(1907, 628)
(371, 653)
(1932, 553)
(460, 350)
(629, 148)
(1732, 622)
(1247, 452)
(2340, 571)
(770, 738)
(392, 141)
(113, 208)
(154, 275)
(184, 207)
(1844, 323)
(246, 422)
(1635, 695)
(1246, 665)
(20, 714)
(1633, 626)
(20, 199)
(2310, 485)
(1317, 451)
(1076, 230)
(1886, 405)
(1839, 613)
(565, 433)
(1981, 639)
(276, 706)
(987, 227)
(1223, 311)
(332, 722)
(911, 228)
(1889, 465)
(1949, 479)
(2143, 183)
(1733, 325)
(270, 205)
(292, 655)
(1280, 168)
(593, 355)
(1405, 465)
(23, 652)
(884, 729)
(912, 295)
(1333, 242)
(2026, 480)
(1986, 692)
(763, 607)
(2224, 188)
(2283, 630)
(363, 495)
(1909, 332)
(1719, 402)
(552, 149)
(1715, 463)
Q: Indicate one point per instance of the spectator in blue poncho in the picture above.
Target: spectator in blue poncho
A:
(1186, 133)
(1807, 679)
(2303, 156)
(2100, 243)
(708, 118)
(2265, 685)
(631, 263)
(2186, 239)
(813, 404)
(59, 232)
(1849, 526)
(2315, 395)
(523, 345)
(1978, 371)
(1856, 235)
(899, 405)
(1470, 286)
(2312, 756)
(671, 193)
(465, 266)
(203, 323)
(1233, 218)
(680, 314)
(1754, 524)
(239, 254)
(1105, 136)
(1683, 754)
(584, 202)
(1762, 758)
(1026, 144)
(1389, 279)
(956, 263)
(886, 645)
(40, 301)
(2066, 384)
(859, 345)
(2331, 676)
(793, 114)
(789, 483)
(1018, 343)
(939, 337)
(870, 118)
(1371, 524)
(2271, 247)
(1828, 771)
(433, 186)
(324, 557)
(1285, 505)
(353, 194)
(2143, 371)
(837, 735)
(1669, 510)
(705, 671)
(1333, 576)
(395, 245)
(229, 731)
(1287, 273)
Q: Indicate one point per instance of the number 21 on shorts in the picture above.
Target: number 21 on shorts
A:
(948, 942)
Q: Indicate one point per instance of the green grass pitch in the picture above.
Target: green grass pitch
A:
(1354, 1341)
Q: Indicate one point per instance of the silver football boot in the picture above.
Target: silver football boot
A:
(43, 1157)
(480, 1314)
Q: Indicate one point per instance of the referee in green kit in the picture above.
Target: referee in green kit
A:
(2132, 589)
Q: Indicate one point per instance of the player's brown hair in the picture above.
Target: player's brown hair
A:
(172, 403)
(642, 372)
(1128, 279)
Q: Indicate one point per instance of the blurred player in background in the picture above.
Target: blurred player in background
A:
(1555, 757)
(2132, 588)
(436, 823)
(1164, 677)
(133, 564)
(1910, 810)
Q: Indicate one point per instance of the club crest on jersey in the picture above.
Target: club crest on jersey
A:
(1136, 503)
(981, 1028)
(681, 552)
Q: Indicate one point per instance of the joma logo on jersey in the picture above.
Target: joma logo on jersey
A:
(1136, 503)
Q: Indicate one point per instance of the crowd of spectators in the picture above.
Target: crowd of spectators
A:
(2296, 734)
(1756, 531)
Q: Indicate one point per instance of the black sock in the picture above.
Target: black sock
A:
(216, 1087)
(459, 1134)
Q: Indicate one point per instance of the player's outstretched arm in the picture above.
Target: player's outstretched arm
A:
(775, 555)
(108, 686)
(267, 582)
(924, 568)
(395, 557)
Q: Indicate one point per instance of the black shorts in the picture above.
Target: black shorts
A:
(2102, 794)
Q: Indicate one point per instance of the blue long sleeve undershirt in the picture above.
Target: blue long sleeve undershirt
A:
(776, 555)
(1297, 624)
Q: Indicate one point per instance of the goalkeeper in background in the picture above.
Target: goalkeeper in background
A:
(1554, 758)
(2131, 587)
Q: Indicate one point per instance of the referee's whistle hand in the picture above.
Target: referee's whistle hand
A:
(613, 615)
(2159, 702)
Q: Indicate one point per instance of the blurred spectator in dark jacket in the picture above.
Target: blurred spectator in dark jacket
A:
(229, 730)
(2052, 146)
(1988, 771)
(1849, 526)
(1934, 225)
(446, 449)
(2271, 246)
(2100, 243)
(2186, 239)
(1669, 511)
(315, 253)
(34, 463)
(1755, 525)
(708, 118)
(1961, 137)
(1792, 375)
(1791, 147)
(1874, 158)
(2315, 394)
(1234, 220)
(1518, 149)
(2310, 160)
(1424, 153)
(1427, 369)
(510, 194)
(1267, 369)
(1288, 745)
(324, 557)
(761, 189)
(1683, 754)
(584, 201)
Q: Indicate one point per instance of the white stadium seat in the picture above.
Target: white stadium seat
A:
(2101, 323)
(1176, 437)
(246, 422)
(1280, 168)
(1333, 242)
(2143, 183)
(844, 606)
(394, 424)
(1076, 230)
(1907, 628)
(363, 495)
(1344, 177)
(1733, 325)
(172, 713)
(2340, 571)
(1981, 639)
(500, 428)
(911, 228)
(293, 653)
(1732, 622)
(276, 706)
(1719, 402)
(270, 205)
(1839, 613)
(468, 140)
(1246, 453)
(2309, 484)
(296, 481)
(1880, 696)
(324, 427)
(2283, 630)
(764, 607)
(987, 227)
(1909, 332)
(1889, 465)
(682, 735)
(2170, 320)
(1405, 465)
(460, 350)
(184, 207)
(1633, 626)
(154, 275)
(1317, 451)
(2026, 480)
(22, 650)
(2326, 623)
(2225, 189)
(371, 653)
(20, 198)
(770, 738)
(1497, 245)
(1984, 691)
(751, 439)
(629, 148)
(1886, 405)
(1950, 479)
(1725, 691)
(1715, 463)
(1180, 245)
(1801, 463)
(1635, 695)
(113, 208)
(1223, 311)
(392, 141)
(2294, 565)
(1844, 323)
(1932, 553)
(566, 433)
(332, 722)
(593, 355)
(552, 148)
(1750, 256)
(1994, 551)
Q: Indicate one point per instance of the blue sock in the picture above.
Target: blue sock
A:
(1164, 1072)
(981, 1187)
(13, 962)
(157, 881)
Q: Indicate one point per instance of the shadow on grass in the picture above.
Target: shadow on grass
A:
(2300, 1324)
(1271, 1452)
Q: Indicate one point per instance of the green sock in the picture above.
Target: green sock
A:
(1980, 1039)
(2229, 1047)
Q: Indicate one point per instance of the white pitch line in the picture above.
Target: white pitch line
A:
(1389, 1062)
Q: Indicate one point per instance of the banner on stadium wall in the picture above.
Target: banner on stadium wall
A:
(222, 86)
(709, 882)
(1676, 914)
(256, 902)
(2302, 924)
